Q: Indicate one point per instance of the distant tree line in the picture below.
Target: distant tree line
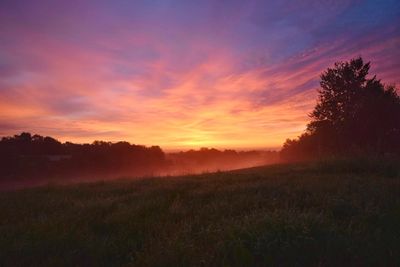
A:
(355, 115)
(34, 156)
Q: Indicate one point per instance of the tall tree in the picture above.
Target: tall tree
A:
(354, 114)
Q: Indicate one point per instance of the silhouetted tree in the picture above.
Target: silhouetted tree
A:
(354, 114)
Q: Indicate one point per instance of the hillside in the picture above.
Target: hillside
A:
(315, 214)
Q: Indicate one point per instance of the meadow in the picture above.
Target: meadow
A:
(332, 213)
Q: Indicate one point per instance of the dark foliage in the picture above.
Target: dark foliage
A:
(355, 115)
(34, 158)
(25, 157)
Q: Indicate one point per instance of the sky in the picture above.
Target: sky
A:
(181, 74)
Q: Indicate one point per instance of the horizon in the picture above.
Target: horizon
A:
(181, 75)
(165, 149)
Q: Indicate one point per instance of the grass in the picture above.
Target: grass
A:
(315, 214)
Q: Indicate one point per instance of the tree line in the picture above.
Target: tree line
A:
(34, 157)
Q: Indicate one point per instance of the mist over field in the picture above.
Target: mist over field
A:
(30, 160)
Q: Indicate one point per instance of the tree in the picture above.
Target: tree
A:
(354, 114)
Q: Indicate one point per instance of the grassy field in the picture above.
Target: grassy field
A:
(315, 214)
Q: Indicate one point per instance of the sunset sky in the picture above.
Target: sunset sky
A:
(181, 74)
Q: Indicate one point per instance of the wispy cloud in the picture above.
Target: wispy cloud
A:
(179, 74)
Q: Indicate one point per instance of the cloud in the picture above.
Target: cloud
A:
(179, 74)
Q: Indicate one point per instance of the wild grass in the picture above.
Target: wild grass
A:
(333, 213)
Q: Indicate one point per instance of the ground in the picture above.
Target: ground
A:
(337, 213)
